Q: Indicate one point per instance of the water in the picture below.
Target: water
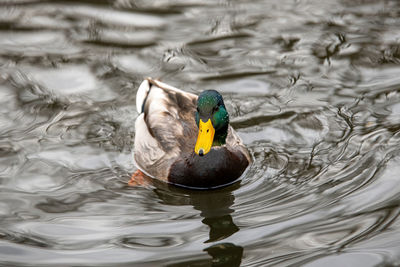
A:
(312, 87)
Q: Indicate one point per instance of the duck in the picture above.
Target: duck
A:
(186, 140)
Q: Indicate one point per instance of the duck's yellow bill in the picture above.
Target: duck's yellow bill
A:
(205, 138)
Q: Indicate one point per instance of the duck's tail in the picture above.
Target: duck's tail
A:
(145, 87)
(142, 94)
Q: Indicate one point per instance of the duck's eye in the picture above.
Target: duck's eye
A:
(216, 109)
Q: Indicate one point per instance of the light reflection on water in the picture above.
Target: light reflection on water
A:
(311, 86)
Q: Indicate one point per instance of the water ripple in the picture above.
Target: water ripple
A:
(311, 87)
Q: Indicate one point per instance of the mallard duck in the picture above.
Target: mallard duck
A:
(185, 139)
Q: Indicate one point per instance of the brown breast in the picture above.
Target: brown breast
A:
(219, 167)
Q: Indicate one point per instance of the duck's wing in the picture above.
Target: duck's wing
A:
(235, 143)
(165, 127)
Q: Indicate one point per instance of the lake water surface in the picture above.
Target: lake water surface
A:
(312, 88)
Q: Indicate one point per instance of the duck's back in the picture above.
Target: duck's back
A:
(165, 127)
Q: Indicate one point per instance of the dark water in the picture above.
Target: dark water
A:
(312, 88)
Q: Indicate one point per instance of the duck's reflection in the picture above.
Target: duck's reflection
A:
(215, 207)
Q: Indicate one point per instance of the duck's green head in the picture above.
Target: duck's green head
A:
(212, 120)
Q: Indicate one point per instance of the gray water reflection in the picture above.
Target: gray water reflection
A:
(312, 87)
(215, 209)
